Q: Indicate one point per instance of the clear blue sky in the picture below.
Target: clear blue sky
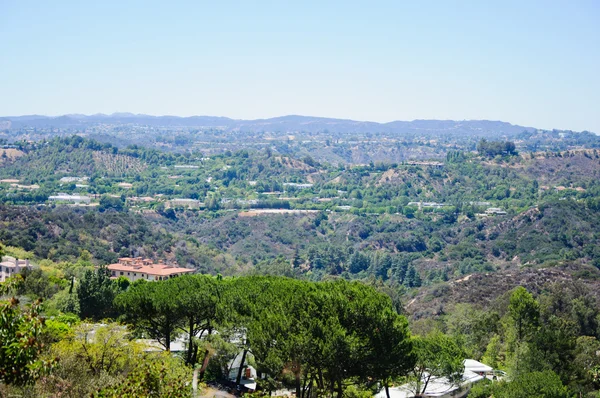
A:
(535, 63)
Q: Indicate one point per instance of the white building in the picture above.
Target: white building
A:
(478, 367)
(297, 185)
(440, 387)
(249, 374)
(433, 205)
(495, 211)
(11, 266)
(183, 202)
(74, 179)
(144, 268)
(63, 197)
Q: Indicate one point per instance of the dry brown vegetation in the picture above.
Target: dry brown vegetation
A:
(294, 164)
(9, 154)
(482, 289)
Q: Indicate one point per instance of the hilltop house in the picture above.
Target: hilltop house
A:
(144, 268)
(11, 266)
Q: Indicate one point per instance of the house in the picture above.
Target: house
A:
(440, 387)
(297, 185)
(478, 367)
(185, 166)
(19, 186)
(73, 179)
(144, 268)
(432, 205)
(63, 197)
(480, 203)
(177, 346)
(437, 165)
(11, 266)
(189, 203)
(249, 374)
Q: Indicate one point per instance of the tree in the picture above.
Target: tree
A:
(198, 302)
(524, 313)
(392, 354)
(20, 344)
(587, 361)
(109, 202)
(101, 350)
(160, 376)
(545, 384)
(105, 362)
(358, 262)
(151, 307)
(323, 334)
(493, 148)
(412, 278)
(96, 293)
(437, 356)
(38, 283)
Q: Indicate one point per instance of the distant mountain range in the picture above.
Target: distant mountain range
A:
(283, 124)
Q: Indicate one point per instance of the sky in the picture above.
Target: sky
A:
(533, 63)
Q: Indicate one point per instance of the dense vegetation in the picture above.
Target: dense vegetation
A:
(347, 248)
(326, 338)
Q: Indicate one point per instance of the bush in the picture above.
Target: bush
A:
(545, 384)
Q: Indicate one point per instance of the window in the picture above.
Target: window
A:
(121, 272)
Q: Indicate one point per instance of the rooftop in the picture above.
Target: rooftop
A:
(147, 266)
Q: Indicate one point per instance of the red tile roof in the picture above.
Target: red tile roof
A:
(146, 266)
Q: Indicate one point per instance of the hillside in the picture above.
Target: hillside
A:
(483, 290)
(445, 242)
(70, 157)
(369, 221)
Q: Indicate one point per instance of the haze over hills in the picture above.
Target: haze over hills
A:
(288, 123)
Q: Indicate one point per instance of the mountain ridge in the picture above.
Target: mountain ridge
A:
(286, 123)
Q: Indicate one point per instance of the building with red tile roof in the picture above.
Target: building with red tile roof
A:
(144, 268)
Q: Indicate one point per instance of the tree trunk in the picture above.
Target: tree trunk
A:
(238, 379)
(340, 389)
(387, 390)
(191, 344)
(195, 354)
(204, 364)
(321, 382)
(195, 384)
(425, 386)
(168, 340)
(304, 385)
(298, 385)
(309, 391)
